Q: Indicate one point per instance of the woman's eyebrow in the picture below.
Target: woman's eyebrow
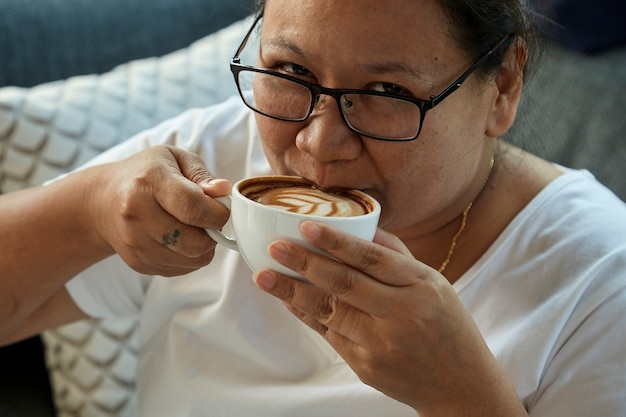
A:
(283, 44)
(397, 68)
(381, 68)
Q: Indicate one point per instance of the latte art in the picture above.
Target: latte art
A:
(268, 208)
(309, 200)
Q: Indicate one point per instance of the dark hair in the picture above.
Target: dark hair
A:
(478, 25)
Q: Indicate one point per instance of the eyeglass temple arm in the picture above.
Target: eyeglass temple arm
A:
(434, 100)
(236, 59)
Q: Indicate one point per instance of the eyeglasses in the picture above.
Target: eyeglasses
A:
(378, 115)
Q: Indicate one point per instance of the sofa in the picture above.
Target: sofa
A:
(53, 40)
(91, 76)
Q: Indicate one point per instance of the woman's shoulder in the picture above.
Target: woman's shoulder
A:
(572, 219)
(556, 216)
(548, 189)
(577, 195)
(569, 234)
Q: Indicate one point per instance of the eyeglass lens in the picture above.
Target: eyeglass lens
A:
(371, 115)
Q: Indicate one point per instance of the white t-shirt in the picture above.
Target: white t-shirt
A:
(549, 297)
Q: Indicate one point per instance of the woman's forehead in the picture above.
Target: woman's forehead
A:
(388, 18)
(373, 32)
(399, 24)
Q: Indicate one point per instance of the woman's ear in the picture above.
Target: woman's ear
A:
(509, 81)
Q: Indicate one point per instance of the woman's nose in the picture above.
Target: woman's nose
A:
(325, 134)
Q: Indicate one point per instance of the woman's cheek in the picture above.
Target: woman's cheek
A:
(277, 138)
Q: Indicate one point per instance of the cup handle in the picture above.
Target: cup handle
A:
(218, 235)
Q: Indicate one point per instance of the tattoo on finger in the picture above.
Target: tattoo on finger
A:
(171, 239)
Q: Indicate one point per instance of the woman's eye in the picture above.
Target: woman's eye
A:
(390, 88)
(294, 69)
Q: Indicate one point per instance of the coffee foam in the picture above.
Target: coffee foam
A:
(309, 200)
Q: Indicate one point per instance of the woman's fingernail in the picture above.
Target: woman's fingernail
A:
(265, 280)
(310, 230)
(279, 251)
(214, 182)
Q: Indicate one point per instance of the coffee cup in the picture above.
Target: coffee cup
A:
(269, 208)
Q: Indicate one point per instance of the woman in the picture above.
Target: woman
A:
(494, 285)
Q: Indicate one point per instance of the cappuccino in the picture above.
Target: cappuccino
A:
(269, 208)
(299, 196)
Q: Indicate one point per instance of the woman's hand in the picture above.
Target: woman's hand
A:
(397, 322)
(153, 207)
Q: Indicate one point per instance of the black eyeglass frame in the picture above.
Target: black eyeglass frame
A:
(316, 90)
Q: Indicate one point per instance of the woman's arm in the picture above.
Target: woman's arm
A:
(50, 234)
(397, 323)
(46, 240)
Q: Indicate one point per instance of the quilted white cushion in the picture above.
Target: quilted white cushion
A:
(55, 127)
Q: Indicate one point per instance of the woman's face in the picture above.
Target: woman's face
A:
(373, 44)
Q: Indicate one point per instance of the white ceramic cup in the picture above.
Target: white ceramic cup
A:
(255, 225)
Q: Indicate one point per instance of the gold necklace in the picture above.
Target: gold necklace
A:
(445, 263)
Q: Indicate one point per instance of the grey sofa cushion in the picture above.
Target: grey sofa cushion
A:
(43, 41)
(574, 112)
